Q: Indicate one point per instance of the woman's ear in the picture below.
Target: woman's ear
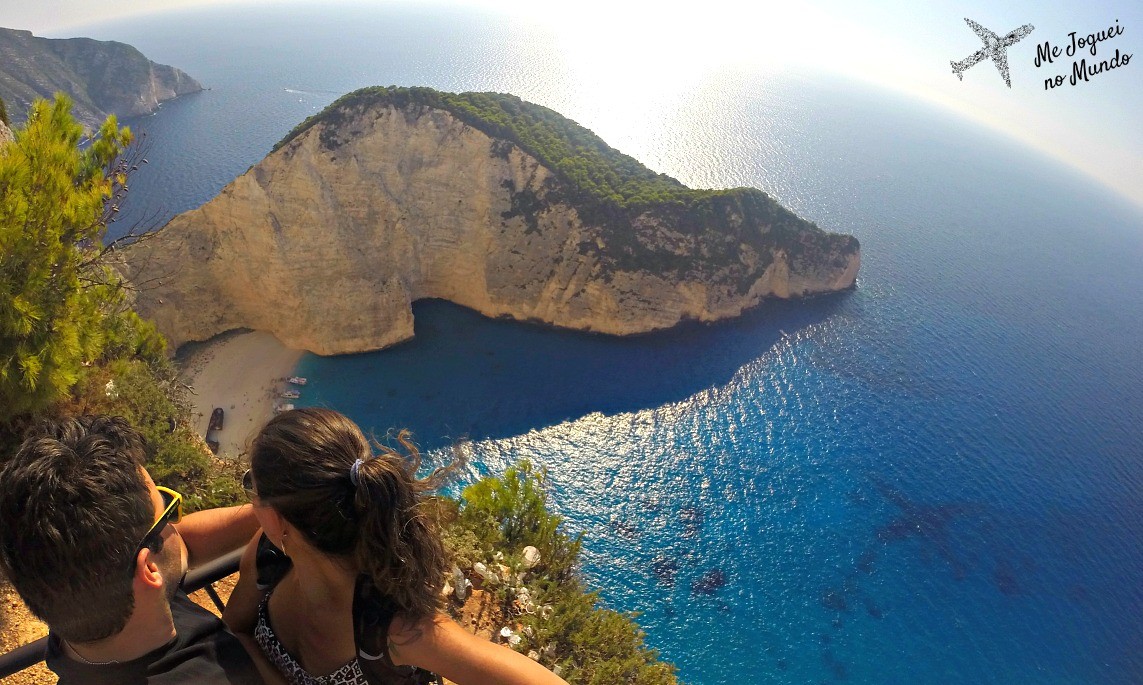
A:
(273, 523)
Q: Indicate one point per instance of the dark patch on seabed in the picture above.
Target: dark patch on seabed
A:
(691, 519)
(625, 529)
(955, 534)
(835, 666)
(665, 569)
(709, 582)
(959, 542)
(929, 524)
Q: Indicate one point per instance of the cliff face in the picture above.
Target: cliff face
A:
(5, 133)
(102, 77)
(328, 241)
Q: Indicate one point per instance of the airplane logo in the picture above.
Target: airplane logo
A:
(994, 49)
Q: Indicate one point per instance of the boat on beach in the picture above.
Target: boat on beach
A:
(296, 380)
(283, 407)
(290, 394)
(216, 418)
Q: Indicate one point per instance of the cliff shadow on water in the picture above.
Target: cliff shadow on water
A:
(467, 376)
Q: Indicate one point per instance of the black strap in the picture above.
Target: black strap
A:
(272, 563)
(373, 612)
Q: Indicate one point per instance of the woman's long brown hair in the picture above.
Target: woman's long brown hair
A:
(302, 462)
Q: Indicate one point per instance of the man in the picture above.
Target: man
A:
(97, 551)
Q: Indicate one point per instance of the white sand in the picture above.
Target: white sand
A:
(243, 373)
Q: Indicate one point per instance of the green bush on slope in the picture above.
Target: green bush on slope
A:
(68, 343)
(54, 292)
(150, 395)
(566, 628)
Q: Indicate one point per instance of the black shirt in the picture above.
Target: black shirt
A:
(202, 651)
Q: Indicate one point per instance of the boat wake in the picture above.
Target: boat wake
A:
(311, 92)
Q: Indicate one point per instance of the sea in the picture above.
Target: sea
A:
(936, 477)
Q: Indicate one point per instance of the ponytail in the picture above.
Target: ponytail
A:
(398, 545)
(318, 471)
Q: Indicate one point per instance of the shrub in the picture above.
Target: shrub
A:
(585, 642)
(149, 394)
(55, 199)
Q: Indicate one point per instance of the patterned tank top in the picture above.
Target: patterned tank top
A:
(372, 614)
(275, 651)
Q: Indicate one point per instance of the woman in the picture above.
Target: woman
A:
(344, 586)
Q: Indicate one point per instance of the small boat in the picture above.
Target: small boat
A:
(216, 418)
(283, 407)
(213, 445)
(296, 380)
(291, 394)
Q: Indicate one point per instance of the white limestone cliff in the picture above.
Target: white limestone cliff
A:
(326, 244)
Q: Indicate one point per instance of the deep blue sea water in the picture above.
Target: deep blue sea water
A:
(935, 478)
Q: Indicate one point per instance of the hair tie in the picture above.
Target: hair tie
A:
(353, 472)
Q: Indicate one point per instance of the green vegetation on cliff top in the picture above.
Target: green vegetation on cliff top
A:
(560, 144)
(609, 188)
(563, 625)
(572, 151)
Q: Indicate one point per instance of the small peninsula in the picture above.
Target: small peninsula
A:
(102, 77)
(391, 195)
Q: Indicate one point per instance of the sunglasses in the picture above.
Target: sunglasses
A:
(248, 484)
(172, 513)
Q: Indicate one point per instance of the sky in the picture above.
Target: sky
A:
(1094, 126)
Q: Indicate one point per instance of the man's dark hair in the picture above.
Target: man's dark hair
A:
(74, 507)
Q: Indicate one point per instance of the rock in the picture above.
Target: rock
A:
(460, 584)
(328, 241)
(102, 77)
(531, 557)
(484, 572)
(510, 637)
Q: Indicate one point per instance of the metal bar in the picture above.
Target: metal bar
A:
(209, 589)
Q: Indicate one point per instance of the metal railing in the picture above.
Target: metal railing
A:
(201, 578)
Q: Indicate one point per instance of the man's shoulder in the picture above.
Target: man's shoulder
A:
(203, 651)
(191, 618)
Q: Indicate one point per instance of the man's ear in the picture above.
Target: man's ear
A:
(147, 570)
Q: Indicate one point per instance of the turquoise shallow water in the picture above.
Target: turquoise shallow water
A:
(934, 478)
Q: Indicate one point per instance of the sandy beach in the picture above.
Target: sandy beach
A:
(242, 372)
